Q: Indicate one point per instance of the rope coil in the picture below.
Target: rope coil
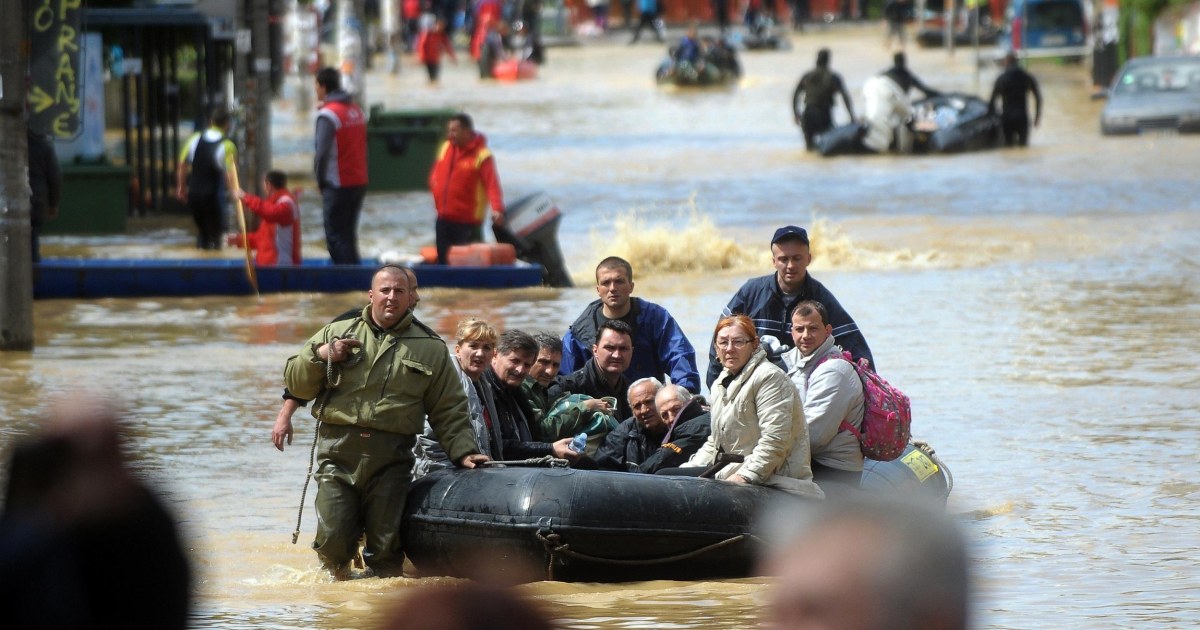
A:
(333, 378)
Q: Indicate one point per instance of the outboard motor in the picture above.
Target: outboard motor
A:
(531, 226)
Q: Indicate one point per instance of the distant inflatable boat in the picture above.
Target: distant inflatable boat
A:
(528, 524)
(949, 123)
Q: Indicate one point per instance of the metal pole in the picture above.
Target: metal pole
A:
(16, 255)
(975, 43)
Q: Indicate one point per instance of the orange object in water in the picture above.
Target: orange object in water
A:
(429, 255)
(513, 70)
(481, 255)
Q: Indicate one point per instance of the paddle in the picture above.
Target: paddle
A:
(241, 215)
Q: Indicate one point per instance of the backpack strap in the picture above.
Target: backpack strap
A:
(846, 356)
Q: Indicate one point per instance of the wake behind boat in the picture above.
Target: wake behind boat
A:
(528, 524)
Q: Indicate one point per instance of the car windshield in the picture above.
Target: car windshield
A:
(1044, 16)
(1166, 76)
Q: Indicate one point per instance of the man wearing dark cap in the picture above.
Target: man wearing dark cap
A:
(769, 300)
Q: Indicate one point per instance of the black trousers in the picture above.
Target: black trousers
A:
(449, 234)
(1016, 128)
(341, 208)
(206, 212)
(814, 121)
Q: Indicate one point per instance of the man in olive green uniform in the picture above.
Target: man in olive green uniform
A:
(389, 371)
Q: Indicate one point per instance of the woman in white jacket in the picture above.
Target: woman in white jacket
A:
(756, 413)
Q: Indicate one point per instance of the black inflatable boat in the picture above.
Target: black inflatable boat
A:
(521, 524)
(948, 123)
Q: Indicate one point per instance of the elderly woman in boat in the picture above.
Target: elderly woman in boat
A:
(756, 413)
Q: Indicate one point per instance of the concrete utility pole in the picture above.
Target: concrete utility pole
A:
(16, 257)
(256, 97)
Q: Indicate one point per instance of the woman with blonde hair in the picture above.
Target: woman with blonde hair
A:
(756, 413)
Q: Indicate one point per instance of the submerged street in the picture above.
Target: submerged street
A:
(1037, 306)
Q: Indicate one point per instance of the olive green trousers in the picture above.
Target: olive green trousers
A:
(362, 478)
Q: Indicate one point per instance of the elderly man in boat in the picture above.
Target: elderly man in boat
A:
(832, 394)
(757, 416)
(667, 427)
(516, 417)
(375, 378)
(545, 369)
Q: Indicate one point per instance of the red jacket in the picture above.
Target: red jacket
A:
(342, 163)
(431, 44)
(464, 180)
(277, 238)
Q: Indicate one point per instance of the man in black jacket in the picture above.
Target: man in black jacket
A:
(602, 376)
(45, 186)
(769, 300)
(515, 354)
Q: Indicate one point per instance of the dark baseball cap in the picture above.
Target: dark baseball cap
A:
(789, 232)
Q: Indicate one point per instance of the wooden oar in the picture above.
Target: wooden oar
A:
(241, 215)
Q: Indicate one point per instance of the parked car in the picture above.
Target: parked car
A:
(1056, 26)
(1154, 93)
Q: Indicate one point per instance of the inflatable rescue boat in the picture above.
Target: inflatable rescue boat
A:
(522, 524)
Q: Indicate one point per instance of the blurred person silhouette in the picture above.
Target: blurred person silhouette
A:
(866, 564)
(467, 606)
(812, 100)
(84, 543)
(45, 186)
(1012, 90)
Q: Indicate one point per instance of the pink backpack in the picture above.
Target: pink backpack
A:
(887, 414)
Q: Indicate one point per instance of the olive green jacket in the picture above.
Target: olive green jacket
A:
(403, 375)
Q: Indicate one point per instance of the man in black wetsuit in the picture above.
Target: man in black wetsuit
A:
(900, 73)
(818, 87)
(1012, 88)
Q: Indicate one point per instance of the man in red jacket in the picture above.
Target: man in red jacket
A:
(277, 238)
(463, 181)
(340, 165)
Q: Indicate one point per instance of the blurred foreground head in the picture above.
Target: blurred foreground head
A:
(84, 543)
(467, 606)
(867, 565)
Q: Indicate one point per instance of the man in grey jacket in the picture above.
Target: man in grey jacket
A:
(832, 394)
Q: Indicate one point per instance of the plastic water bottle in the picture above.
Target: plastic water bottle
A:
(579, 442)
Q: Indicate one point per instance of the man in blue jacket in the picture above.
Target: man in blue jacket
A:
(769, 300)
(660, 349)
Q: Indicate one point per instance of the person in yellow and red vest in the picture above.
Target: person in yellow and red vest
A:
(340, 165)
(463, 181)
(277, 239)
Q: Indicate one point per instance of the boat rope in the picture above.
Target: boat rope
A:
(545, 461)
(333, 378)
(558, 549)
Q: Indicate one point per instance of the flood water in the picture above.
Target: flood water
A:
(1038, 306)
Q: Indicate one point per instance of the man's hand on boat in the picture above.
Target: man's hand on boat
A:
(739, 479)
(473, 460)
(338, 349)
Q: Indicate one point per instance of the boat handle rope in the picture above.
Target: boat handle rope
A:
(333, 378)
(548, 461)
(556, 548)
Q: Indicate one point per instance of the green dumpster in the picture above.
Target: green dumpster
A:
(402, 146)
(95, 200)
